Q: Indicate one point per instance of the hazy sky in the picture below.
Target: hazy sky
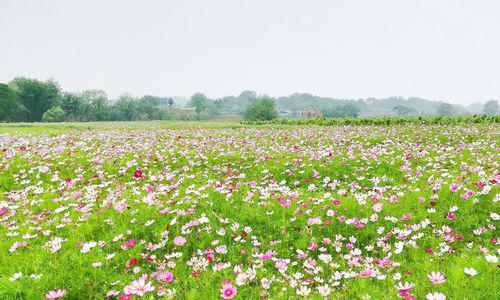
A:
(438, 49)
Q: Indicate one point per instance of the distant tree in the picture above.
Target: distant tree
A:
(55, 114)
(200, 102)
(170, 102)
(95, 105)
(10, 108)
(444, 110)
(490, 108)
(262, 109)
(126, 109)
(351, 110)
(36, 96)
(72, 105)
(403, 111)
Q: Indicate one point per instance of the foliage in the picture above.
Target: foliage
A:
(490, 108)
(36, 96)
(11, 110)
(263, 109)
(380, 121)
(55, 114)
(349, 110)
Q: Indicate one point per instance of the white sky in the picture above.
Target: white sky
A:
(438, 49)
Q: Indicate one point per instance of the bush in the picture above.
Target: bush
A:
(55, 114)
(263, 109)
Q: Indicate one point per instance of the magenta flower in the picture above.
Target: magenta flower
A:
(165, 277)
(227, 291)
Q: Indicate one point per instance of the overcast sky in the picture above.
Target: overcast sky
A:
(438, 49)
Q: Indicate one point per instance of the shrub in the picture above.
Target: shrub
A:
(263, 109)
(55, 114)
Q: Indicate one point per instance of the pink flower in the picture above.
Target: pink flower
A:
(129, 244)
(227, 291)
(139, 287)
(55, 294)
(3, 211)
(450, 216)
(454, 187)
(436, 277)
(284, 202)
(404, 289)
(179, 240)
(165, 277)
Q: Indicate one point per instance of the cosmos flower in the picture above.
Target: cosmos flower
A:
(436, 277)
(227, 291)
(470, 271)
(139, 287)
(179, 240)
(435, 296)
(55, 294)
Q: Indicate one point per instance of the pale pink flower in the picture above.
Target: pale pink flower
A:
(55, 294)
(139, 287)
(179, 240)
(436, 277)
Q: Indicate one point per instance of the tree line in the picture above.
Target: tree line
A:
(31, 100)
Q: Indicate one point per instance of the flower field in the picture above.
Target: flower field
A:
(276, 212)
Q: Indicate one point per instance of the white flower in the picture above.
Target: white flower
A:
(16, 276)
(470, 271)
(303, 291)
(495, 216)
(323, 290)
(491, 258)
(435, 296)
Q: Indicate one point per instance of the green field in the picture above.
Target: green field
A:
(211, 210)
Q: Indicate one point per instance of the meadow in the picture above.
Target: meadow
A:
(154, 210)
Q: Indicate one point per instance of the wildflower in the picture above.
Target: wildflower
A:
(227, 291)
(404, 289)
(179, 240)
(491, 258)
(470, 271)
(436, 277)
(16, 276)
(303, 291)
(55, 294)
(139, 287)
(165, 277)
(435, 296)
(138, 174)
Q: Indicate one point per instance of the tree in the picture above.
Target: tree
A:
(403, 111)
(36, 96)
(55, 114)
(95, 105)
(263, 109)
(72, 105)
(351, 110)
(10, 108)
(126, 109)
(170, 102)
(199, 102)
(490, 108)
(444, 110)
